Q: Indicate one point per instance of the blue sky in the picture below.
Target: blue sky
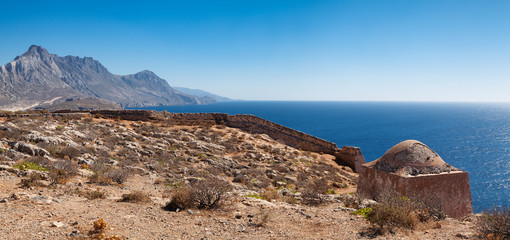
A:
(429, 50)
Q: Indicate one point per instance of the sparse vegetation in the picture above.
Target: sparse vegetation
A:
(494, 224)
(26, 165)
(397, 211)
(135, 197)
(205, 194)
(99, 231)
(93, 194)
(32, 180)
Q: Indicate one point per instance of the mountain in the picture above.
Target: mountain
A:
(202, 93)
(38, 77)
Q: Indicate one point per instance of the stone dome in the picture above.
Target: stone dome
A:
(412, 155)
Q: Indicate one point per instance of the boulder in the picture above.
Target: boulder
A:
(29, 149)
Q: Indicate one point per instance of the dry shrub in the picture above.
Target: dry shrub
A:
(106, 175)
(395, 212)
(205, 194)
(93, 194)
(135, 197)
(69, 167)
(314, 194)
(118, 175)
(32, 180)
(494, 224)
(181, 199)
(59, 176)
(262, 218)
(99, 231)
(71, 152)
(270, 195)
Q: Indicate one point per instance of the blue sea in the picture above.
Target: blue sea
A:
(474, 137)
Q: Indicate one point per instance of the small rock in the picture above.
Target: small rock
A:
(15, 196)
(4, 200)
(57, 224)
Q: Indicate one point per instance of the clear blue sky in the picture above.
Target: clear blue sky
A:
(428, 50)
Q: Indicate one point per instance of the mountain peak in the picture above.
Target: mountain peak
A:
(36, 51)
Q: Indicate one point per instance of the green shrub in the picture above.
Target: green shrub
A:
(26, 165)
(363, 212)
(255, 195)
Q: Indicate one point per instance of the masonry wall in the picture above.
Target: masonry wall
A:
(349, 156)
(451, 191)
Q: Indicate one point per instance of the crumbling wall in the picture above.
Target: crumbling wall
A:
(451, 191)
(287, 135)
(350, 156)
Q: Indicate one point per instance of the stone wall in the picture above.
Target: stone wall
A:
(281, 133)
(450, 191)
(349, 156)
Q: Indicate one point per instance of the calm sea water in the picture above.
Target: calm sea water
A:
(474, 137)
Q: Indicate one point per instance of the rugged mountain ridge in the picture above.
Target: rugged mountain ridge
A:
(38, 77)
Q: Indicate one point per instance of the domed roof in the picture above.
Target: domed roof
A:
(413, 154)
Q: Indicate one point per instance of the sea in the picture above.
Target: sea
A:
(474, 137)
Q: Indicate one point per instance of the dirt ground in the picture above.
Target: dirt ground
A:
(58, 213)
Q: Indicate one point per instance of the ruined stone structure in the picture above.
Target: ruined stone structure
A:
(414, 170)
(348, 156)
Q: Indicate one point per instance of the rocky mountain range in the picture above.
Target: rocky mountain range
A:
(40, 78)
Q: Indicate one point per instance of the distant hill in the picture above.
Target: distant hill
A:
(202, 93)
(40, 78)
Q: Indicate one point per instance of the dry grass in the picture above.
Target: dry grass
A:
(135, 197)
(93, 194)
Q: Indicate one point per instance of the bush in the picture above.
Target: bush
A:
(181, 199)
(205, 194)
(271, 195)
(119, 176)
(91, 195)
(209, 193)
(99, 231)
(313, 194)
(395, 212)
(106, 175)
(59, 176)
(495, 223)
(26, 165)
(135, 197)
(32, 180)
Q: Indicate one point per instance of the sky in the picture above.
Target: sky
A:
(320, 50)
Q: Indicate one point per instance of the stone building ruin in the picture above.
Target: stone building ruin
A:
(412, 169)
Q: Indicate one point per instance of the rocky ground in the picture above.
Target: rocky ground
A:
(85, 164)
